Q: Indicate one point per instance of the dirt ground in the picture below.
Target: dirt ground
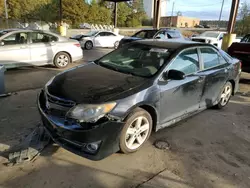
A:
(211, 149)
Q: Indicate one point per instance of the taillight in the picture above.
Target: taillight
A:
(240, 64)
(77, 45)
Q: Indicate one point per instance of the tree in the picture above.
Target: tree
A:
(74, 11)
(179, 13)
(1, 8)
(243, 25)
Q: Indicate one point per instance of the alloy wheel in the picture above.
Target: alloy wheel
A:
(137, 132)
(226, 94)
(62, 60)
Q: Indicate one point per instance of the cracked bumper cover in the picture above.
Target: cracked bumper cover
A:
(75, 140)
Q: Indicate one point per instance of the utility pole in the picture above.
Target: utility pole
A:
(221, 10)
(172, 14)
(115, 14)
(60, 12)
(6, 13)
(233, 15)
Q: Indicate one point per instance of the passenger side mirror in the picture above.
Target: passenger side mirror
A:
(174, 75)
(2, 43)
(157, 37)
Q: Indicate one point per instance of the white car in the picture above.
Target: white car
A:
(211, 37)
(33, 47)
(98, 39)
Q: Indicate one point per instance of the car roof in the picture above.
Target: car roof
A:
(12, 31)
(172, 44)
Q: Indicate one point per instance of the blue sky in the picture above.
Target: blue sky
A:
(203, 9)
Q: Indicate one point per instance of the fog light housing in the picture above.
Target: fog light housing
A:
(92, 147)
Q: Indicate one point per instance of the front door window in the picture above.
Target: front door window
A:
(186, 62)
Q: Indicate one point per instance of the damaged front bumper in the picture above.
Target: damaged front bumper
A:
(95, 143)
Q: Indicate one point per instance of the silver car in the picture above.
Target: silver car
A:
(106, 39)
(35, 47)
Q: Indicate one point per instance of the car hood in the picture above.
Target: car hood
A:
(92, 84)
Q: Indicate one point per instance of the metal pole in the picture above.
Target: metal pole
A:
(155, 12)
(221, 10)
(233, 15)
(172, 14)
(115, 15)
(158, 14)
(6, 13)
(60, 12)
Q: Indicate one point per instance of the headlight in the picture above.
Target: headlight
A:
(90, 112)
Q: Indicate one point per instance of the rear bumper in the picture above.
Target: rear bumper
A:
(73, 138)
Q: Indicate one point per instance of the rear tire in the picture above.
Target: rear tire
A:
(62, 60)
(136, 131)
(88, 45)
(225, 95)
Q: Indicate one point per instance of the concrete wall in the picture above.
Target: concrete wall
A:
(179, 21)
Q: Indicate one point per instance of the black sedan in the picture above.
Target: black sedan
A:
(164, 34)
(115, 102)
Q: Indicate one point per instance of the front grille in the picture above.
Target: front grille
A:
(199, 40)
(59, 101)
(56, 106)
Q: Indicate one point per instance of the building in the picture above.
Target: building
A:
(149, 8)
(179, 21)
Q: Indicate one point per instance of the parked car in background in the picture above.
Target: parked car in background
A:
(85, 26)
(241, 50)
(98, 39)
(199, 26)
(36, 47)
(116, 102)
(164, 33)
(210, 37)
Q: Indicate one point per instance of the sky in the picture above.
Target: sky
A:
(203, 9)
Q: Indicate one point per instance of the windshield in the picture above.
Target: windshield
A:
(145, 34)
(210, 34)
(136, 59)
(91, 33)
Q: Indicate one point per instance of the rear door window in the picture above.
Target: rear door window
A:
(174, 34)
(42, 38)
(210, 58)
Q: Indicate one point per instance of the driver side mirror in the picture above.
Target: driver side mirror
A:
(157, 37)
(2, 43)
(174, 75)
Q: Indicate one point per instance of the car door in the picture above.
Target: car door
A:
(41, 47)
(100, 39)
(181, 97)
(111, 38)
(14, 50)
(215, 71)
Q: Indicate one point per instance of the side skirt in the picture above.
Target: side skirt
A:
(176, 120)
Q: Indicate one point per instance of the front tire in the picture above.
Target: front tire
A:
(136, 130)
(88, 45)
(225, 95)
(62, 60)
